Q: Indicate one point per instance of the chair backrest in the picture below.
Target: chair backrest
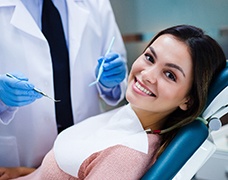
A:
(189, 138)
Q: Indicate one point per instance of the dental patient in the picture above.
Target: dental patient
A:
(167, 89)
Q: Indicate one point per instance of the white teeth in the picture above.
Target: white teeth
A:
(142, 89)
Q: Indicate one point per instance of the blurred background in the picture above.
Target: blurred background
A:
(140, 20)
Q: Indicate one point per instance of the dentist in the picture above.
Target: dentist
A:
(29, 124)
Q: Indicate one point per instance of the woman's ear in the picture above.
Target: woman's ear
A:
(186, 104)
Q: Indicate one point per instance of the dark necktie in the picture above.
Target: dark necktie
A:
(53, 31)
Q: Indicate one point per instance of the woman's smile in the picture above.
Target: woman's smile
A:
(141, 89)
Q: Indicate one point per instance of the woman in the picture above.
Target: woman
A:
(167, 88)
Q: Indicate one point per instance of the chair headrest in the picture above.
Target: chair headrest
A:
(220, 82)
(217, 103)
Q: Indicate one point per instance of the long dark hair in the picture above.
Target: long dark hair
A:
(208, 59)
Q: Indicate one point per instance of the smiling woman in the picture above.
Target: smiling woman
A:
(164, 93)
(164, 74)
(207, 58)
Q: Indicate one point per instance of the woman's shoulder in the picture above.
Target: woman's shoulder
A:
(126, 162)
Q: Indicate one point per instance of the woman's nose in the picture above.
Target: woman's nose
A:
(150, 75)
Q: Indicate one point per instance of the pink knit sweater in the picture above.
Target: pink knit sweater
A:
(114, 163)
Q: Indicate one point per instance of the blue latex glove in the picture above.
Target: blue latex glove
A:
(17, 92)
(114, 70)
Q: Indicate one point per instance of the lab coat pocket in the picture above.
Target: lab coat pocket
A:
(8, 151)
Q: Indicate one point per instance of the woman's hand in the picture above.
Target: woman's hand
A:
(14, 172)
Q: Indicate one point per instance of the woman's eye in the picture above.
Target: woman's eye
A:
(171, 76)
(149, 58)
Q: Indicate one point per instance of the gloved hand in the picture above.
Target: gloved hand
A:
(114, 70)
(17, 91)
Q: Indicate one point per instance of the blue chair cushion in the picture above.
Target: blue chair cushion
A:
(218, 85)
(178, 151)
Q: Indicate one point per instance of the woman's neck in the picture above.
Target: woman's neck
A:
(149, 120)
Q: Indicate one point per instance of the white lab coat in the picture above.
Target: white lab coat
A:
(32, 131)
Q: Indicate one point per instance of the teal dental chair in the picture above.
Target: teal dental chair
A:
(193, 146)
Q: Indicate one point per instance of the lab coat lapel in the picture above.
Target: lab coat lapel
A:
(22, 19)
(77, 25)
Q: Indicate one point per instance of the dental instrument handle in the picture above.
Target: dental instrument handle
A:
(41, 92)
(35, 89)
(110, 46)
(102, 63)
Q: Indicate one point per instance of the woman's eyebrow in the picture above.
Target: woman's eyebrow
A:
(168, 64)
(153, 52)
(176, 67)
